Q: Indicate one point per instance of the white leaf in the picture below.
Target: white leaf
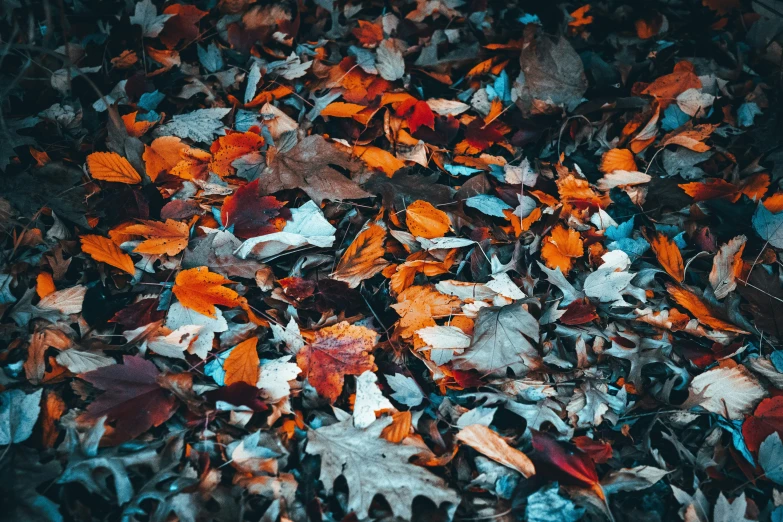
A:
(201, 125)
(146, 16)
(731, 392)
(447, 107)
(620, 178)
(389, 61)
(369, 400)
(289, 335)
(274, 378)
(78, 361)
(179, 316)
(67, 301)
(406, 391)
(18, 414)
(175, 343)
(722, 277)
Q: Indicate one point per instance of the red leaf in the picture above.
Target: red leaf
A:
(568, 466)
(421, 115)
(132, 400)
(138, 314)
(182, 26)
(579, 312)
(766, 420)
(482, 136)
(252, 215)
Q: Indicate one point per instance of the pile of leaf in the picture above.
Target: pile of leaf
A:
(415, 260)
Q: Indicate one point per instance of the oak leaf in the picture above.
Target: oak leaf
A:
(110, 166)
(200, 290)
(169, 237)
(372, 465)
(337, 351)
(364, 256)
(242, 364)
(105, 250)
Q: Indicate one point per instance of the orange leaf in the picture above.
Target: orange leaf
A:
(755, 186)
(162, 154)
(232, 146)
(399, 428)
(561, 248)
(617, 159)
(492, 445)
(424, 220)
(668, 87)
(168, 238)
(110, 166)
(242, 363)
(104, 250)
(337, 351)
(364, 257)
(580, 17)
(668, 256)
(378, 158)
(368, 34)
(691, 138)
(136, 127)
(481, 68)
(44, 284)
(774, 203)
(200, 290)
(342, 109)
(41, 157)
(701, 310)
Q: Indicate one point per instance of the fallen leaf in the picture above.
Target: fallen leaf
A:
(169, 237)
(424, 220)
(364, 256)
(242, 364)
(252, 215)
(200, 290)
(561, 248)
(110, 166)
(105, 250)
(489, 443)
(337, 351)
(668, 255)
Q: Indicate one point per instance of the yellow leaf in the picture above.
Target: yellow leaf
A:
(110, 166)
(561, 247)
(200, 290)
(242, 364)
(104, 250)
(168, 238)
(364, 257)
(668, 256)
(424, 220)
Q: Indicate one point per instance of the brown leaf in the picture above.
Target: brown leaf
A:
(308, 166)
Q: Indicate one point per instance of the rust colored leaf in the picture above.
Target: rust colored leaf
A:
(252, 215)
(617, 159)
(424, 220)
(229, 148)
(364, 256)
(701, 310)
(337, 351)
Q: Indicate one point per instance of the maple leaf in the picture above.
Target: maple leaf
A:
(242, 364)
(337, 351)
(500, 342)
(146, 16)
(182, 24)
(200, 290)
(132, 399)
(364, 256)
(371, 465)
(226, 149)
(561, 248)
(308, 166)
(169, 237)
(253, 215)
(110, 166)
(106, 251)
